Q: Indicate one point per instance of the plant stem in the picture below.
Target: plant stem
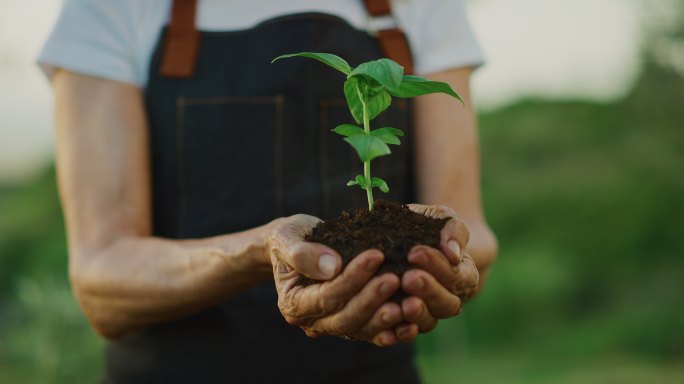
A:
(366, 164)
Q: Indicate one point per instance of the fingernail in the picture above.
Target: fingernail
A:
(385, 317)
(455, 248)
(385, 288)
(326, 264)
(419, 283)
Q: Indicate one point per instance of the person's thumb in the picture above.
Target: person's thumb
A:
(315, 261)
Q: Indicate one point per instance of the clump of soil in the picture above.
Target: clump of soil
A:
(390, 227)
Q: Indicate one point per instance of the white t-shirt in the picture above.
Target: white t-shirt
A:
(114, 39)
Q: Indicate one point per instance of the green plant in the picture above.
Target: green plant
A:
(369, 89)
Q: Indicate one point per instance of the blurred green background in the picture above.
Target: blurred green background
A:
(587, 201)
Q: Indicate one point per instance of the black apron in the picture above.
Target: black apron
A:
(239, 144)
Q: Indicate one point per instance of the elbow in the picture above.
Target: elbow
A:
(106, 328)
(90, 290)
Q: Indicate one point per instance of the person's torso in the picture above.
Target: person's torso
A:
(240, 143)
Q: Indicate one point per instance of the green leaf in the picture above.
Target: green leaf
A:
(359, 180)
(362, 181)
(368, 147)
(348, 130)
(380, 183)
(394, 131)
(388, 135)
(376, 101)
(326, 58)
(412, 86)
(353, 101)
(385, 71)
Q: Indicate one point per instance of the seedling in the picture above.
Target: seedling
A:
(369, 89)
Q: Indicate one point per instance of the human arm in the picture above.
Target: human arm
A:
(448, 162)
(122, 276)
(125, 278)
(448, 175)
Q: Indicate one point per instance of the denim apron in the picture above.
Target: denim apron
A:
(238, 144)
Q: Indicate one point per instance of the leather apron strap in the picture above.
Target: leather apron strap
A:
(392, 41)
(182, 41)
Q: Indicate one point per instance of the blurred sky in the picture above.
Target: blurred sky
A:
(561, 49)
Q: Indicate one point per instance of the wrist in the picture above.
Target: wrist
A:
(264, 244)
(245, 254)
(257, 253)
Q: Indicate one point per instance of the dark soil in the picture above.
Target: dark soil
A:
(390, 227)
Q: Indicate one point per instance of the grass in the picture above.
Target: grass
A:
(528, 367)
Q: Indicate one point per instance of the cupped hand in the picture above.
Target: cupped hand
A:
(350, 303)
(442, 278)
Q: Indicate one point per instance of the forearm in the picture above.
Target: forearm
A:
(137, 281)
(448, 163)
(123, 277)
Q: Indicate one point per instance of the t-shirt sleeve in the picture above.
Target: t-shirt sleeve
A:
(440, 34)
(96, 38)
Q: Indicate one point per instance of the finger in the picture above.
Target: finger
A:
(311, 333)
(440, 302)
(436, 211)
(306, 304)
(406, 332)
(454, 239)
(414, 311)
(297, 303)
(385, 318)
(313, 260)
(453, 236)
(435, 263)
(354, 277)
(461, 280)
(360, 309)
(467, 277)
(385, 338)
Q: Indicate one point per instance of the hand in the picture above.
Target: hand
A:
(444, 277)
(351, 304)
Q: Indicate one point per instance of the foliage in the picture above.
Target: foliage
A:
(586, 200)
(369, 89)
(44, 337)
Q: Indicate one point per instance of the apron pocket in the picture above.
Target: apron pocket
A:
(229, 163)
